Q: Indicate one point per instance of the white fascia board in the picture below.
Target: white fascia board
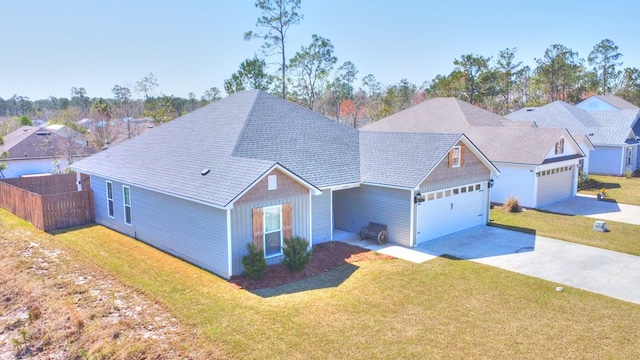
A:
(494, 171)
(388, 186)
(312, 189)
(342, 186)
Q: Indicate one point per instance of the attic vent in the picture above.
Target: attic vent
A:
(43, 133)
(530, 109)
(590, 134)
(205, 172)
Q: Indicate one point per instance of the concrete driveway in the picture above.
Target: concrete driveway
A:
(589, 206)
(601, 271)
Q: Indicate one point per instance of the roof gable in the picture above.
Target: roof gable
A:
(401, 159)
(519, 145)
(606, 102)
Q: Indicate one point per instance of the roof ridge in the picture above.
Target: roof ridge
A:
(246, 122)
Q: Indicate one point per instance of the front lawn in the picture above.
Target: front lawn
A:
(375, 309)
(618, 188)
(578, 229)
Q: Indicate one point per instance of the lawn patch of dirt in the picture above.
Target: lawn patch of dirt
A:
(325, 256)
(56, 305)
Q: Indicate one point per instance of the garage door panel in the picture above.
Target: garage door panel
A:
(439, 216)
(555, 185)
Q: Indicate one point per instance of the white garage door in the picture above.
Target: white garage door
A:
(447, 211)
(555, 185)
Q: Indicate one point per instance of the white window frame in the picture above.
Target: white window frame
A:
(125, 190)
(455, 158)
(111, 209)
(629, 156)
(264, 225)
(560, 147)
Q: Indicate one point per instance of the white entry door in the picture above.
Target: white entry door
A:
(451, 210)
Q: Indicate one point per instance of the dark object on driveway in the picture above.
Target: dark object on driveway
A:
(374, 231)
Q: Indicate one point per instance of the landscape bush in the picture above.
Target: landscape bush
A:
(512, 204)
(296, 253)
(254, 263)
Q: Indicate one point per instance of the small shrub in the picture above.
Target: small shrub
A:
(628, 173)
(254, 263)
(511, 205)
(296, 255)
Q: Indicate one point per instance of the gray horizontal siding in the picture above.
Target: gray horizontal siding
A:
(355, 208)
(242, 225)
(188, 230)
(321, 221)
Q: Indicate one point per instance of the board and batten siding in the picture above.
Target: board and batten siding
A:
(444, 177)
(356, 207)
(194, 232)
(322, 214)
(287, 191)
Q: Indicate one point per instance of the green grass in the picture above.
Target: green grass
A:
(577, 229)
(379, 309)
(618, 188)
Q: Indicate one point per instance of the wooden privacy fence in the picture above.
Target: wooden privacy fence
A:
(48, 202)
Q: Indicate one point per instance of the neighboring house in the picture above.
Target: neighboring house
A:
(253, 168)
(612, 132)
(538, 166)
(606, 102)
(33, 150)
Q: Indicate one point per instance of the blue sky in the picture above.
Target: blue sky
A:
(50, 46)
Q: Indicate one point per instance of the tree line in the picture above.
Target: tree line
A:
(313, 77)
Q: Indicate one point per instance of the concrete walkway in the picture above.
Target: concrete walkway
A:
(589, 206)
(601, 271)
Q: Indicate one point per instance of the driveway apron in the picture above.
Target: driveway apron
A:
(589, 206)
(597, 270)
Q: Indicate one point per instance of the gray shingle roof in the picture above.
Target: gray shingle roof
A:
(521, 142)
(617, 102)
(519, 145)
(36, 142)
(401, 159)
(319, 149)
(602, 127)
(438, 115)
(239, 139)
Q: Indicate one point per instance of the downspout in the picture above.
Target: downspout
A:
(229, 245)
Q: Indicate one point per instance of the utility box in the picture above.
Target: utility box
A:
(600, 226)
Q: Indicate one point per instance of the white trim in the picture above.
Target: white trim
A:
(331, 204)
(412, 222)
(229, 244)
(452, 150)
(264, 230)
(343, 186)
(310, 221)
(113, 205)
(294, 177)
(388, 186)
(493, 170)
(124, 205)
(78, 181)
